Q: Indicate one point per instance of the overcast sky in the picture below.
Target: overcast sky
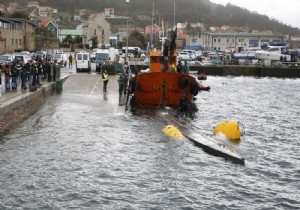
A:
(286, 11)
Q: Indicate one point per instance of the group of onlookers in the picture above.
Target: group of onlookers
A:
(31, 74)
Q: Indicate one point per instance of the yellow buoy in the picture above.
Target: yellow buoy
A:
(230, 129)
(172, 131)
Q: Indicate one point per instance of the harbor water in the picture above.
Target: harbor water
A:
(83, 151)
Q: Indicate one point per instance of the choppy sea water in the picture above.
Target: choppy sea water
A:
(73, 155)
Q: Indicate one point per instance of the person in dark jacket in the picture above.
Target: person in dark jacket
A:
(24, 72)
(179, 67)
(39, 74)
(48, 70)
(15, 72)
(70, 61)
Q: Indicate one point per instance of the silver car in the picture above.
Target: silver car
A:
(6, 58)
(61, 58)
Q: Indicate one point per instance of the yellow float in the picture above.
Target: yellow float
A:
(172, 131)
(230, 129)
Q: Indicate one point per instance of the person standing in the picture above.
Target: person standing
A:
(105, 80)
(31, 74)
(54, 66)
(185, 68)
(23, 74)
(39, 74)
(48, 70)
(7, 73)
(121, 86)
(179, 67)
(15, 73)
(70, 61)
(172, 67)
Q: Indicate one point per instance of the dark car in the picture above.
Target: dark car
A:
(39, 55)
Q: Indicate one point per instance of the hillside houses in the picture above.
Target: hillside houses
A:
(97, 27)
(90, 26)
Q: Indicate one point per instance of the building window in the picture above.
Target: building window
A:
(95, 32)
(215, 48)
(18, 26)
(215, 40)
(102, 32)
(20, 41)
(227, 40)
(219, 40)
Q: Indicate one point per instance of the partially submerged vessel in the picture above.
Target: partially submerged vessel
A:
(160, 86)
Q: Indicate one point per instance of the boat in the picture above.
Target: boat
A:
(246, 54)
(275, 53)
(216, 148)
(159, 86)
(201, 87)
(209, 144)
(202, 76)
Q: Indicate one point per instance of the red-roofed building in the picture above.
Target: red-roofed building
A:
(50, 26)
(182, 40)
(152, 29)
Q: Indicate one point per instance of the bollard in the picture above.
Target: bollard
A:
(58, 82)
(57, 72)
(58, 86)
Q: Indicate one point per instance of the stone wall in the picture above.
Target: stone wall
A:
(41, 43)
(17, 109)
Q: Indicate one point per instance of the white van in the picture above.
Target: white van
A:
(83, 61)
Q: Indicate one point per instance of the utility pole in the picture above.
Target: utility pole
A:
(174, 14)
(126, 54)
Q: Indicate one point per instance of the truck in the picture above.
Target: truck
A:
(105, 59)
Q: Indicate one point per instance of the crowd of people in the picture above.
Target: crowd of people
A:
(28, 75)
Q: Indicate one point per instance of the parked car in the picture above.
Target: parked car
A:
(192, 54)
(61, 58)
(25, 53)
(6, 58)
(22, 59)
(39, 55)
(184, 56)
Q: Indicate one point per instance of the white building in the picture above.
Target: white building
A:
(33, 4)
(223, 41)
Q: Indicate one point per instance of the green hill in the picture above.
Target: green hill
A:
(186, 11)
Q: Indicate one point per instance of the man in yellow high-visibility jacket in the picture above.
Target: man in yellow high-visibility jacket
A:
(173, 68)
(105, 80)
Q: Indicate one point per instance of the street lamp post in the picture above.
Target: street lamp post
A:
(126, 54)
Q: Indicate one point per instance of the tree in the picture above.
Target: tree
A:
(20, 14)
(43, 31)
(78, 39)
(95, 42)
(136, 39)
(69, 39)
